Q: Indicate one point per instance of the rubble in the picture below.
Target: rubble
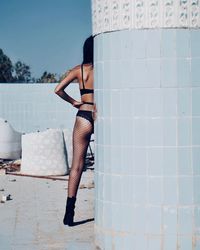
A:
(2, 171)
(10, 166)
(5, 198)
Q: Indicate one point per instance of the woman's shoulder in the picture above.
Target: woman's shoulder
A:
(76, 68)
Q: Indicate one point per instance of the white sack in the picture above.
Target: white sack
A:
(10, 141)
(43, 153)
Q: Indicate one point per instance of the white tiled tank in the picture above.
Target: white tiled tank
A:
(147, 89)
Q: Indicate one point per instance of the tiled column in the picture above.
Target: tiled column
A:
(147, 89)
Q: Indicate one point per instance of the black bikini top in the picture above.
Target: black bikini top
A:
(84, 90)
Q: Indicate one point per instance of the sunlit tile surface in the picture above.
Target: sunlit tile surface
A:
(147, 87)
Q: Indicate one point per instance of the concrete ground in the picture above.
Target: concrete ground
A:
(32, 219)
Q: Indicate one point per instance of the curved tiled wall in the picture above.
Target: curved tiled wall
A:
(110, 15)
(147, 169)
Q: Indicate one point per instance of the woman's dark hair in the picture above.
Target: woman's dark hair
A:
(88, 50)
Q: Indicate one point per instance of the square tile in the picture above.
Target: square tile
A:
(116, 136)
(168, 72)
(184, 161)
(108, 241)
(169, 132)
(153, 72)
(127, 73)
(170, 191)
(154, 220)
(107, 159)
(168, 45)
(169, 101)
(184, 102)
(183, 42)
(98, 49)
(155, 190)
(117, 46)
(107, 215)
(139, 43)
(116, 160)
(195, 62)
(125, 108)
(126, 44)
(154, 243)
(99, 73)
(140, 106)
(195, 41)
(170, 221)
(116, 192)
(197, 220)
(128, 155)
(196, 189)
(155, 132)
(128, 218)
(195, 101)
(107, 131)
(140, 221)
(185, 220)
(140, 78)
(115, 103)
(154, 102)
(186, 243)
(195, 131)
(141, 242)
(129, 242)
(107, 179)
(127, 189)
(185, 190)
(196, 160)
(117, 218)
(115, 74)
(170, 243)
(106, 103)
(106, 47)
(184, 131)
(155, 161)
(153, 47)
(140, 190)
(140, 132)
(140, 161)
(183, 72)
(107, 81)
(127, 138)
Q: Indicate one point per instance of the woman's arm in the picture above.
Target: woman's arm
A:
(59, 90)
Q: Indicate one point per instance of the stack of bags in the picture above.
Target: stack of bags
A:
(42, 153)
(46, 153)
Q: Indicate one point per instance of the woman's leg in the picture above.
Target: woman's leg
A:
(81, 137)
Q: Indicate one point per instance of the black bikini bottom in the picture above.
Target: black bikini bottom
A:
(87, 114)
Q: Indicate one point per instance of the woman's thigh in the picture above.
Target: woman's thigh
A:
(81, 137)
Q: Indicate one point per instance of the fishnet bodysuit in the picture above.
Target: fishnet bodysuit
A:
(83, 128)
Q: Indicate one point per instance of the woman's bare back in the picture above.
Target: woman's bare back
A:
(88, 79)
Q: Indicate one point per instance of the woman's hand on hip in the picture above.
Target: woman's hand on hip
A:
(77, 104)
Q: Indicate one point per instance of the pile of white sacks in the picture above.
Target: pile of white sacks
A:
(42, 153)
(10, 141)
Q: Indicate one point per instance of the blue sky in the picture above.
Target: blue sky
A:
(45, 34)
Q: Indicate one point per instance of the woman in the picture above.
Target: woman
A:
(84, 124)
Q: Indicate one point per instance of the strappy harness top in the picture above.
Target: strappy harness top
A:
(84, 91)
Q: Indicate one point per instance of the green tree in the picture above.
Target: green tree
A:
(47, 78)
(22, 72)
(6, 68)
(65, 74)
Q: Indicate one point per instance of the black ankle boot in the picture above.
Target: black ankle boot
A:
(69, 212)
